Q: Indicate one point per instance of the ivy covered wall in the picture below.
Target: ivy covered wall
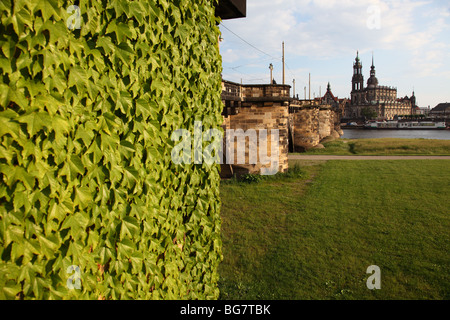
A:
(91, 204)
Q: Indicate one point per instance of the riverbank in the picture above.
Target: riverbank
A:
(383, 147)
(313, 235)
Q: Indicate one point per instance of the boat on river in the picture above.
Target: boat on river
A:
(395, 124)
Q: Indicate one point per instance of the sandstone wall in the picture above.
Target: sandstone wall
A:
(312, 123)
(306, 128)
(263, 107)
(337, 132)
(326, 123)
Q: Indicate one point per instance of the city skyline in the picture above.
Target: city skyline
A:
(408, 40)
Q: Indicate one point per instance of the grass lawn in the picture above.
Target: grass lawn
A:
(386, 146)
(313, 235)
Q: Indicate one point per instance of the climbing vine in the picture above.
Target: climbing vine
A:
(91, 205)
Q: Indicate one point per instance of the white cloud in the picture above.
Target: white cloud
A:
(230, 56)
(313, 26)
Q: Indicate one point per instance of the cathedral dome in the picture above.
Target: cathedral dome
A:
(372, 82)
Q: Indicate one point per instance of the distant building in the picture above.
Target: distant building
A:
(381, 99)
(329, 97)
(334, 102)
(442, 110)
(423, 111)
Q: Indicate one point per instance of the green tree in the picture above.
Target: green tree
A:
(369, 113)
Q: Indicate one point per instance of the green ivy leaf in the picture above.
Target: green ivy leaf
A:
(125, 102)
(130, 227)
(83, 197)
(137, 11)
(107, 45)
(48, 8)
(9, 127)
(27, 179)
(78, 77)
(85, 135)
(5, 5)
(131, 176)
(49, 244)
(8, 47)
(27, 273)
(56, 212)
(136, 259)
(11, 290)
(124, 52)
(60, 126)
(119, 6)
(19, 200)
(76, 165)
(35, 121)
(126, 247)
(20, 19)
(121, 30)
(127, 146)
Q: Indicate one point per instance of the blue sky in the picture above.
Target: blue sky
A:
(410, 41)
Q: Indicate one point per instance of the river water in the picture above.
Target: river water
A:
(408, 134)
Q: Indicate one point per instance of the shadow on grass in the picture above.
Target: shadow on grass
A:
(294, 172)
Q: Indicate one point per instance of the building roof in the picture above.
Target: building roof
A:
(329, 93)
(442, 107)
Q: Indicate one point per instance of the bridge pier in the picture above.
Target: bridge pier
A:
(301, 124)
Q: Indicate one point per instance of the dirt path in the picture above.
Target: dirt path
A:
(325, 157)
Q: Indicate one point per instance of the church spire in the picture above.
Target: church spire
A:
(372, 68)
(373, 81)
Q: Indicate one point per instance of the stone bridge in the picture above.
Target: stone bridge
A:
(302, 124)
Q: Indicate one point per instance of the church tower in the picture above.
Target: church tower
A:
(357, 81)
(372, 82)
(413, 103)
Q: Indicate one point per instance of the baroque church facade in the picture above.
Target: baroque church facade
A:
(380, 99)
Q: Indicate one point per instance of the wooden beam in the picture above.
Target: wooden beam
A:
(231, 9)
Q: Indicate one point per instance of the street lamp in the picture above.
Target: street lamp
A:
(294, 87)
(271, 70)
